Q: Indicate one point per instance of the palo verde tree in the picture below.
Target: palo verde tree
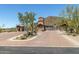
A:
(31, 20)
(72, 16)
(27, 19)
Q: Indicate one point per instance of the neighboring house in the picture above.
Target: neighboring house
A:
(48, 23)
(40, 23)
(19, 28)
(45, 23)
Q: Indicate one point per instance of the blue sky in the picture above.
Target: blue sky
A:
(8, 12)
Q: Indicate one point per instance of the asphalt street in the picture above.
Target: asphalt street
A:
(38, 50)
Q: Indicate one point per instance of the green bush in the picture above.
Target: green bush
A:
(23, 37)
(77, 30)
(74, 34)
(0, 30)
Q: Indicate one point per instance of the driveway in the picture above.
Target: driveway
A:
(7, 35)
(44, 39)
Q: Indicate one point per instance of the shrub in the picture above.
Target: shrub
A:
(74, 34)
(0, 30)
(23, 37)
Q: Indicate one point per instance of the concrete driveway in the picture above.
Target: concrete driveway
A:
(44, 39)
(7, 35)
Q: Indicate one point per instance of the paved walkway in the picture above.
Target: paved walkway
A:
(44, 39)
